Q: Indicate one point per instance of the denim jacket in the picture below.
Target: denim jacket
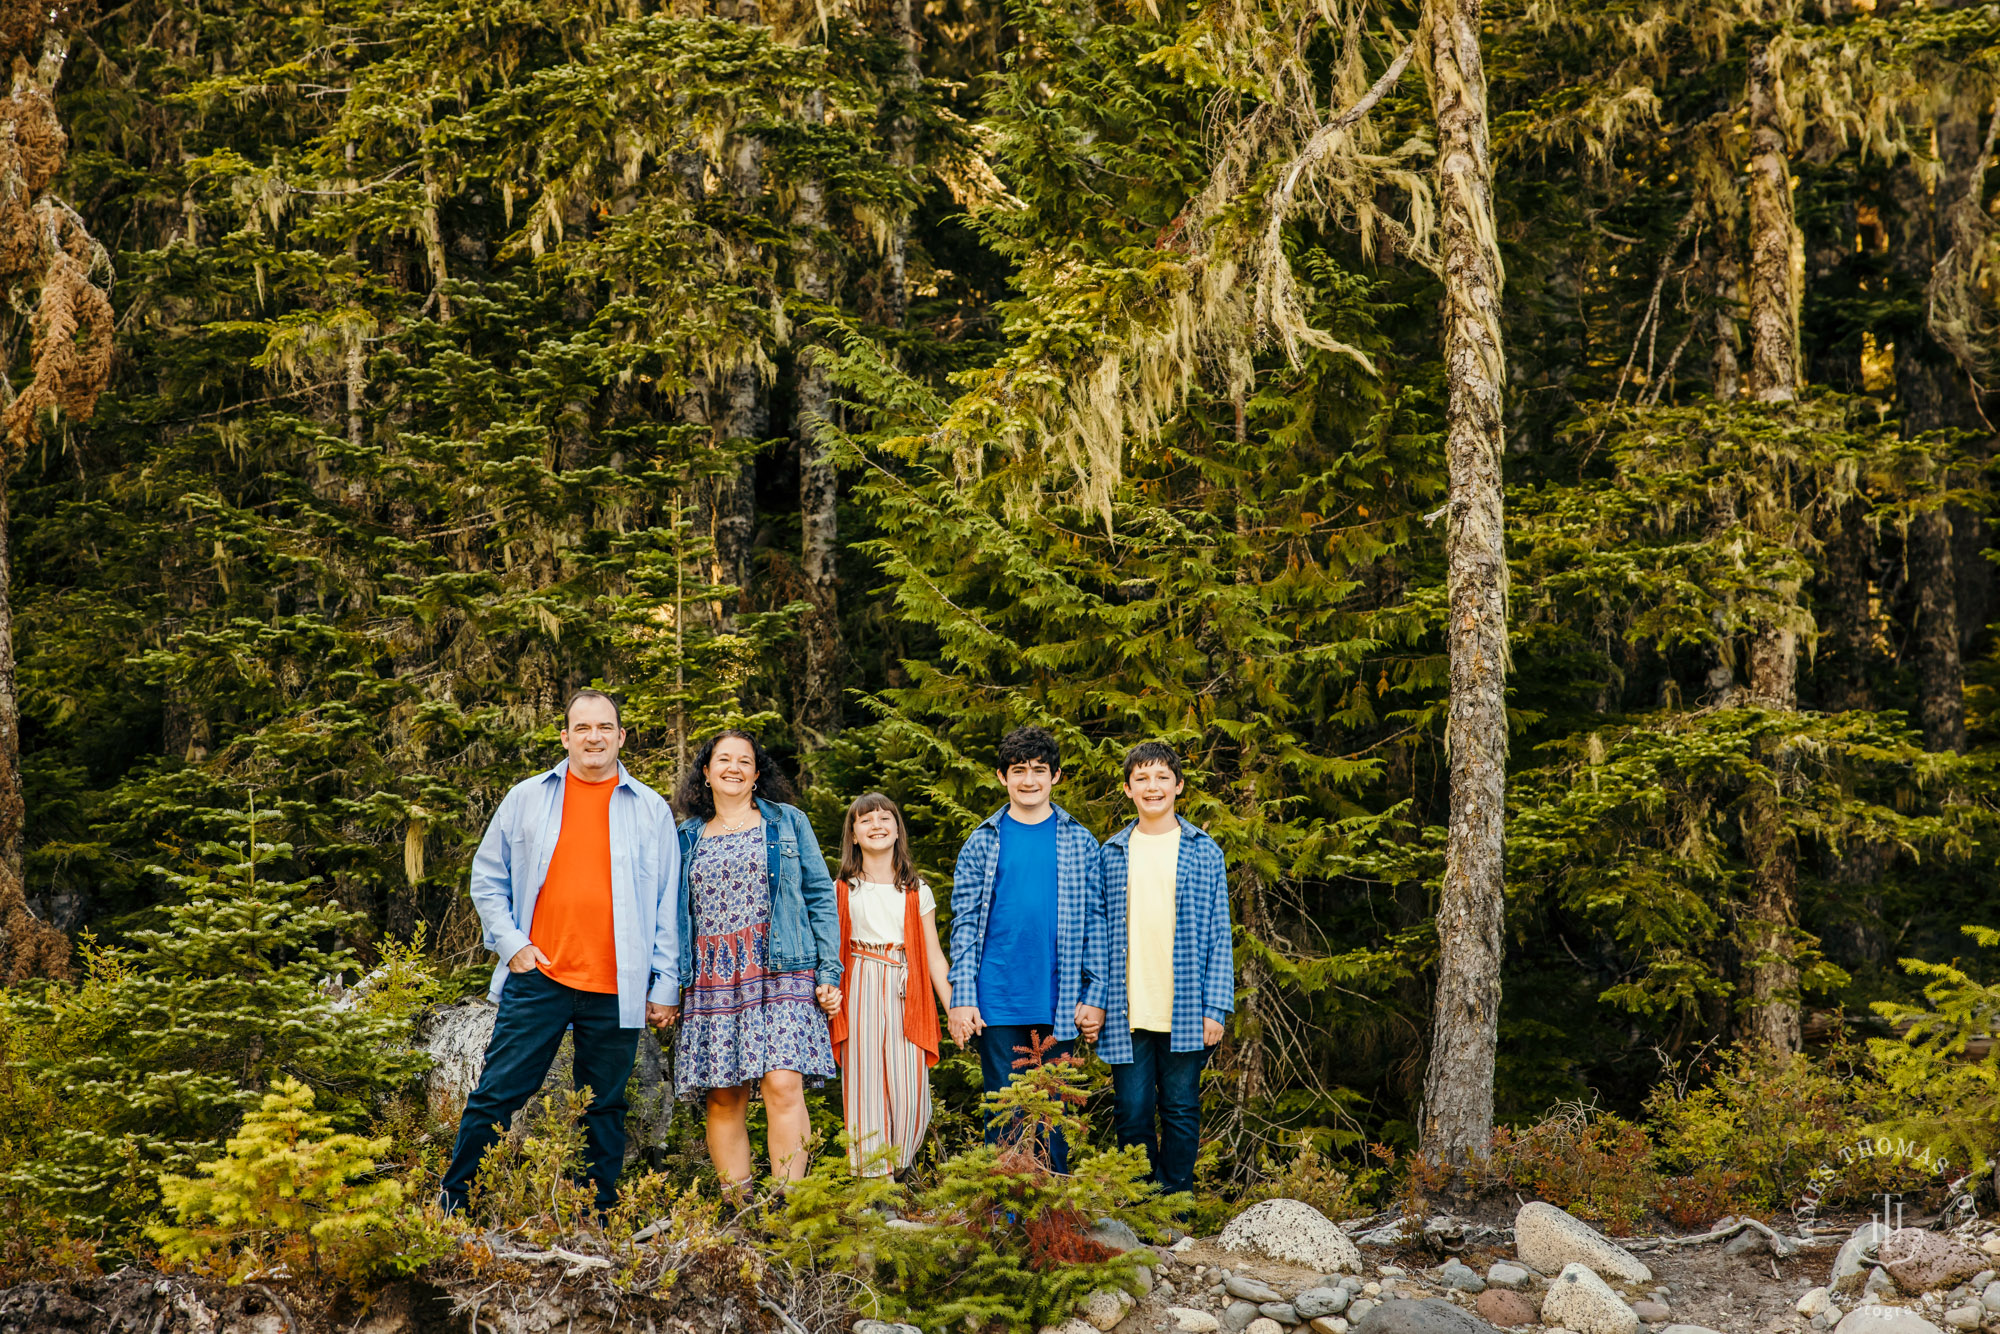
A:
(513, 861)
(805, 917)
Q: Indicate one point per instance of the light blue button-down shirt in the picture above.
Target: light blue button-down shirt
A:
(513, 861)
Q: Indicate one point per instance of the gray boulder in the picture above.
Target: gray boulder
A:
(1247, 1289)
(1238, 1315)
(1850, 1264)
(1316, 1302)
(1579, 1300)
(1118, 1236)
(1293, 1231)
(1884, 1320)
(1458, 1274)
(1400, 1315)
(1547, 1239)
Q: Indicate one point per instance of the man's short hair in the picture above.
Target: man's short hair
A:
(1153, 752)
(1025, 745)
(591, 694)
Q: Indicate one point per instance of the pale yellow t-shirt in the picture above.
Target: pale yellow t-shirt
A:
(1152, 861)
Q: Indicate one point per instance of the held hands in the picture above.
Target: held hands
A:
(828, 998)
(527, 960)
(1089, 1020)
(662, 1016)
(1211, 1032)
(964, 1022)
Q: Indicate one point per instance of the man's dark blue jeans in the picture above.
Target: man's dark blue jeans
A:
(997, 1054)
(534, 1011)
(1162, 1082)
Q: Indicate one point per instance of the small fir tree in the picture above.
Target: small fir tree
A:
(207, 1014)
(1009, 1245)
(290, 1190)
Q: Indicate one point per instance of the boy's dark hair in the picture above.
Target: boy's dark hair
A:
(1024, 745)
(1153, 752)
(593, 694)
(691, 794)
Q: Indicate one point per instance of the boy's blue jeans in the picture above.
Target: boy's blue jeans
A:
(1164, 1083)
(534, 1012)
(997, 1054)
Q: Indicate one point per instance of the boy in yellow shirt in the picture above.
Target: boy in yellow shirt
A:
(1159, 973)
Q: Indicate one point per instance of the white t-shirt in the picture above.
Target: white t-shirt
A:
(875, 911)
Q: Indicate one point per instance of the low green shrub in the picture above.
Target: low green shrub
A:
(1590, 1162)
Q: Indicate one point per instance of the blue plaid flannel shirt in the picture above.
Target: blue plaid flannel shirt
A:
(1079, 892)
(1204, 947)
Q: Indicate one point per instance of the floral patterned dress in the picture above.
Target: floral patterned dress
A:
(740, 1020)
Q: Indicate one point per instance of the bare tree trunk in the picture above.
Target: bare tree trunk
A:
(1774, 242)
(1774, 871)
(1458, 1084)
(819, 484)
(1725, 368)
(1933, 395)
(1940, 674)
(892, 300)
(1774, 662)
(29, 947)
(1846, 658)
(1847, 641)
(745, 413)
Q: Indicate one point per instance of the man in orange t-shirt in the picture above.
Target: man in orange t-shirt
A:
(577, 885)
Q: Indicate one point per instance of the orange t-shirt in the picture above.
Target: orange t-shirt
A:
(573, 914)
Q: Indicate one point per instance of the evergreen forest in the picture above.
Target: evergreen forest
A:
(1533, 461)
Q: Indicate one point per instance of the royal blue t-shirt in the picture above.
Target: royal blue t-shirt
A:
(1017, 969)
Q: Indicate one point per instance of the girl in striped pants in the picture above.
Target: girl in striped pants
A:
(885, 1035)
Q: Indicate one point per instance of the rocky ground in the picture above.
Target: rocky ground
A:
(1281, 1268)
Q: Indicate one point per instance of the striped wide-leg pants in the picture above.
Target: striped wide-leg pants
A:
(885, 1087)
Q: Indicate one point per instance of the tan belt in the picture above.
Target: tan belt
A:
(885, 953)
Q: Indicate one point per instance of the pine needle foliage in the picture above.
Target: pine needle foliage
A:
(1939, 1092)
(288, 1191)
(207, 1014)
(1000, 1241)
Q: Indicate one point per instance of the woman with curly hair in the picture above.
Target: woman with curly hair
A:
(760, 956)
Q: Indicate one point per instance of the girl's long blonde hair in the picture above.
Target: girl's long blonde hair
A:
(899, 856)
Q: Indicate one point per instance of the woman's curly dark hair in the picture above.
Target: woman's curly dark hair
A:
(691, 794)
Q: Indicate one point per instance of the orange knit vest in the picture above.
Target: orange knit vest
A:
(920, 1020)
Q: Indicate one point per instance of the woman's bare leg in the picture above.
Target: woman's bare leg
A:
(728, 1135)
(791, 1124)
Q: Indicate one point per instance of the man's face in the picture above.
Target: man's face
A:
(1153, 788)
(1030, 784)
(593, 737)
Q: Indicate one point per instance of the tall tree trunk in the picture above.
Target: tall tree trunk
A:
(819, 485)
(1847, 650)
(1846, 659)
(1933, 395)
(29, 947)
(1774, 242)
(1774, 871)
(1458, 1084)
(892, 297)
(744, 412)
(1774, 661)
(1725, 367)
